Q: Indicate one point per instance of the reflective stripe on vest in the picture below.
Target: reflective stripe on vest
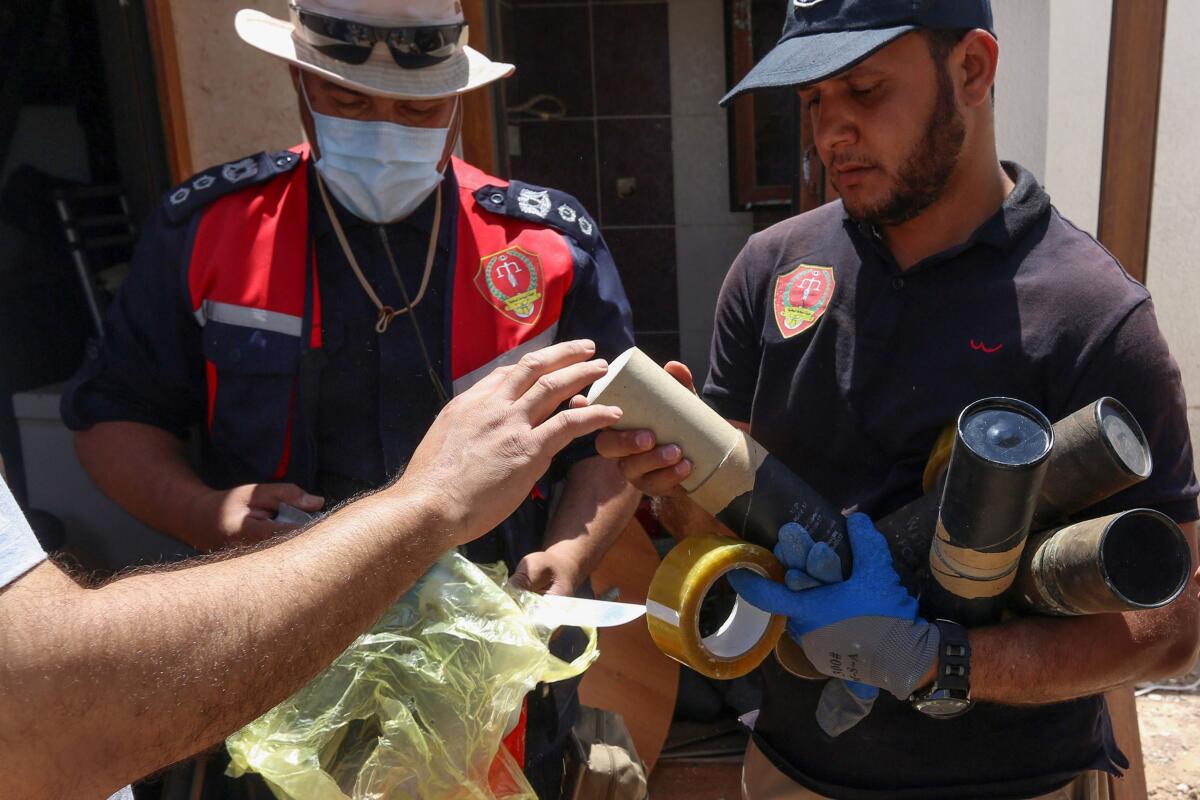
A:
(248, 268)
(249, 255)
(543, 339)
(247, 317)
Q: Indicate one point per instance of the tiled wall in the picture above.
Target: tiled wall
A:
(609, 64)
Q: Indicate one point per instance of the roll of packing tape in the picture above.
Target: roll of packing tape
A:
(673, 607)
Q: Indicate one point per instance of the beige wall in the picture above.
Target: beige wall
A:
(1078, 86)
(237, 100)
(1050, 94)
(1172, 275)
(707, 234)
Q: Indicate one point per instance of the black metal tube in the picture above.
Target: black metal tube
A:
(992, 485)
(1098, 451)
(1123, 562)
(779, 496)
(909, 533)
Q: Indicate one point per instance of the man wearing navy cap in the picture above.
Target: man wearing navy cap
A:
(847, 338)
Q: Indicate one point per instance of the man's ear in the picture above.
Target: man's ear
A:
(972, 64)
(306, 121)
(452, 137)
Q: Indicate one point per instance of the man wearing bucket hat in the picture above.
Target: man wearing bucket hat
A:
(311, 310)
(846, 339)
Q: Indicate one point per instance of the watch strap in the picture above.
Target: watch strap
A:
(954, 657)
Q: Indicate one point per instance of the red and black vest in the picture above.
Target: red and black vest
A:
(252, 285)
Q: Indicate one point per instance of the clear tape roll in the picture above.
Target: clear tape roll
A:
(673, 607)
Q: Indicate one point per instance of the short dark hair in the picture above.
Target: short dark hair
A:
(942, 40)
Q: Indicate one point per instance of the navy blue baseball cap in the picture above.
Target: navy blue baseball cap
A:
(824, 37)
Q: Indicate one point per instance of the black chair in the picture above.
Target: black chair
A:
(100, 234)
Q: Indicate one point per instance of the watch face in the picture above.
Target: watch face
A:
(942, 706)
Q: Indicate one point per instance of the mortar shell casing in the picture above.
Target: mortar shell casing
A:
(1127, 561)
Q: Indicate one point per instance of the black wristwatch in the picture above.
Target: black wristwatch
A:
(950, 694)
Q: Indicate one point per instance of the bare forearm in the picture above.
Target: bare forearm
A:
(681, 517)
(144, 470)
(1043, 660)
(216, 646)
(595, 507)
(100, 686)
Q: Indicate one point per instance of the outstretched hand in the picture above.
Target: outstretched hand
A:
(489, 445)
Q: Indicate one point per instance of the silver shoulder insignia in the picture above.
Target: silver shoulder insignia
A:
(240, 170)
(535, 203)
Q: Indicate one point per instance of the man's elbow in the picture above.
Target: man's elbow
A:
(1181, 648)
(90, 446)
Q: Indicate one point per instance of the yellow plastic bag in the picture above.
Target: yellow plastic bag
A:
(416, 707)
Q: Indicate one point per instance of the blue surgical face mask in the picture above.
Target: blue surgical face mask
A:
(380, 171)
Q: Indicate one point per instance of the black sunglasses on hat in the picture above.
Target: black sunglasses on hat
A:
(352, 42)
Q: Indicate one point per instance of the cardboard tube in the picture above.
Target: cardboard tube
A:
(736, 480)
(652, 400)
(1098, 451)
(733, 477)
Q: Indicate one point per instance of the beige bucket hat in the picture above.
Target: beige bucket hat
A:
(463, 70)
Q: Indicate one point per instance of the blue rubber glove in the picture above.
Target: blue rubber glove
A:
(809, 564)
(865, 629)
(843, 704)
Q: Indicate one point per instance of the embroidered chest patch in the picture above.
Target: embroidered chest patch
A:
(513, 281)
(801, 297)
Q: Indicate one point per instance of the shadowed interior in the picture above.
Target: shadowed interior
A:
(1146, 558)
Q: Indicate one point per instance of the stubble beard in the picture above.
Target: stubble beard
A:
(925, 172)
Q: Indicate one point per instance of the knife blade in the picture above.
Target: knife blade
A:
(554, 611)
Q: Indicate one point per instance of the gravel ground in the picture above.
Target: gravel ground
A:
(1170, 726)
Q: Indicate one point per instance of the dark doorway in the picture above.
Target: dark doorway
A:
(77, 109)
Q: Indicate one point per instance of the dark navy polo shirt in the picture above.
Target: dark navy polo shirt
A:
(1029, 307)
(377, 398)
